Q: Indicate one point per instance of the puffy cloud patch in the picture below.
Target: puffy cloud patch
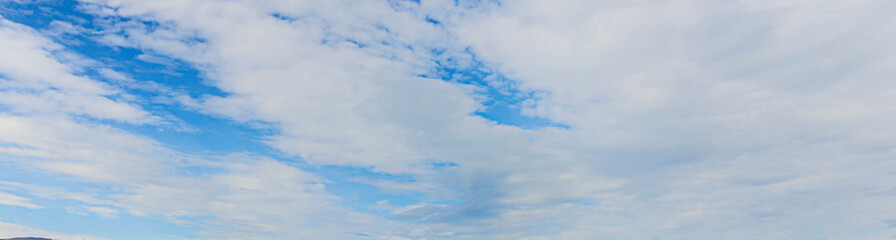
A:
(684, 119)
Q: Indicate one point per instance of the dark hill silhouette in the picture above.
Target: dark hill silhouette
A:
(25, 238)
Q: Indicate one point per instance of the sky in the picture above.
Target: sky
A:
(447, 119)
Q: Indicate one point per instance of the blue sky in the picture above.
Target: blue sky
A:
(447, 119)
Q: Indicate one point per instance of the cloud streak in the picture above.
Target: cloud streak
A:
(670, 119)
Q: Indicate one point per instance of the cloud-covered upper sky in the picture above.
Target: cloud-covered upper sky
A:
(442, 119)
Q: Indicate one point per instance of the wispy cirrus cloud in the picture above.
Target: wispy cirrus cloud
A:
(15, 200)
(671, 119)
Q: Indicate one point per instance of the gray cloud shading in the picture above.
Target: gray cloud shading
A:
(681, 119)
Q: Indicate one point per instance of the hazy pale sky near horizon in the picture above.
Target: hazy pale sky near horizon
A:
(448, 119)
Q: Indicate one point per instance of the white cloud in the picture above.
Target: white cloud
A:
(688, 119)
(311, 91)
(337, 104)
(34, 81)
(14, 200)
(723, 119)
(103, 212)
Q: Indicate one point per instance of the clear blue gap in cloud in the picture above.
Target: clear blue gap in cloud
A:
(139, 64)
(503, 97)
(472, 4)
